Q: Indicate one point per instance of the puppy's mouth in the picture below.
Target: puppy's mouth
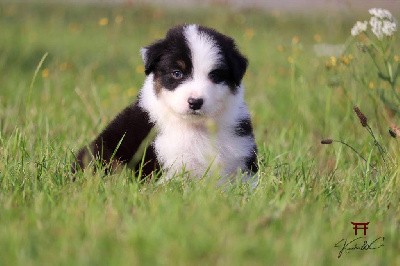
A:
(194, 114)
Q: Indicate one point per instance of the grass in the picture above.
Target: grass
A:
(308, 193)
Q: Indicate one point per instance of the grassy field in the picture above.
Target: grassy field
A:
(308, 194)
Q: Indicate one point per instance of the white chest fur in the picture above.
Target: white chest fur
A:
(197, 150)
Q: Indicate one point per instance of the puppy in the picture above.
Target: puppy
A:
(193, 99)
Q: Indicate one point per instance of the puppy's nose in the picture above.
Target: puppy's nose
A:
(195, 103)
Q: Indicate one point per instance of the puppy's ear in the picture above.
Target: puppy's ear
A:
(236, 61)
(151, 55)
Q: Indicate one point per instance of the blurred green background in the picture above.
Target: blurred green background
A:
(308, 193)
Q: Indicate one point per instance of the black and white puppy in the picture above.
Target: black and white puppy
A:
(193, 98)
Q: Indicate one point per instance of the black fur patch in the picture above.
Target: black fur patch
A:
(235, 65)
(220, 75)
(119, 141)
(251, 161)
(168, 55)
(244, 128)
(149, 164)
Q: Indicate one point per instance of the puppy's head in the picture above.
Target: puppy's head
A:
(195, 70)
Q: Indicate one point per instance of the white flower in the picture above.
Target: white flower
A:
(382, 23)
(381, 13)
(389, 28)
(359, 27)
(376, 27)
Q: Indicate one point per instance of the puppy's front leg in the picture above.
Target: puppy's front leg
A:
(119, 141)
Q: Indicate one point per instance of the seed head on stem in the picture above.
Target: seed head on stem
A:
(363, 119)
(326, 141)
(392, 133)
(330, 141)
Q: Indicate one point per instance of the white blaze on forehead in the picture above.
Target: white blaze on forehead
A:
(204, 51)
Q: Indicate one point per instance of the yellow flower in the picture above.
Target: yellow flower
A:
(249, 33)
(295, 39)
(290, 59)
(74, 27)
(45, 73)
(118, 19)
(331, 62)
(317, 38)
(131, 92)
(103, 22)
(346, 59)
(280, 48)
(64, 66)
(371, 85)
(396, 58)
(139, 69)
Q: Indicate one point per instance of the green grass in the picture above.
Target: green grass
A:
(308, 193)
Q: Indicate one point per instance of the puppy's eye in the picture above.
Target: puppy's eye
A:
(177, 74)
(217, 75)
